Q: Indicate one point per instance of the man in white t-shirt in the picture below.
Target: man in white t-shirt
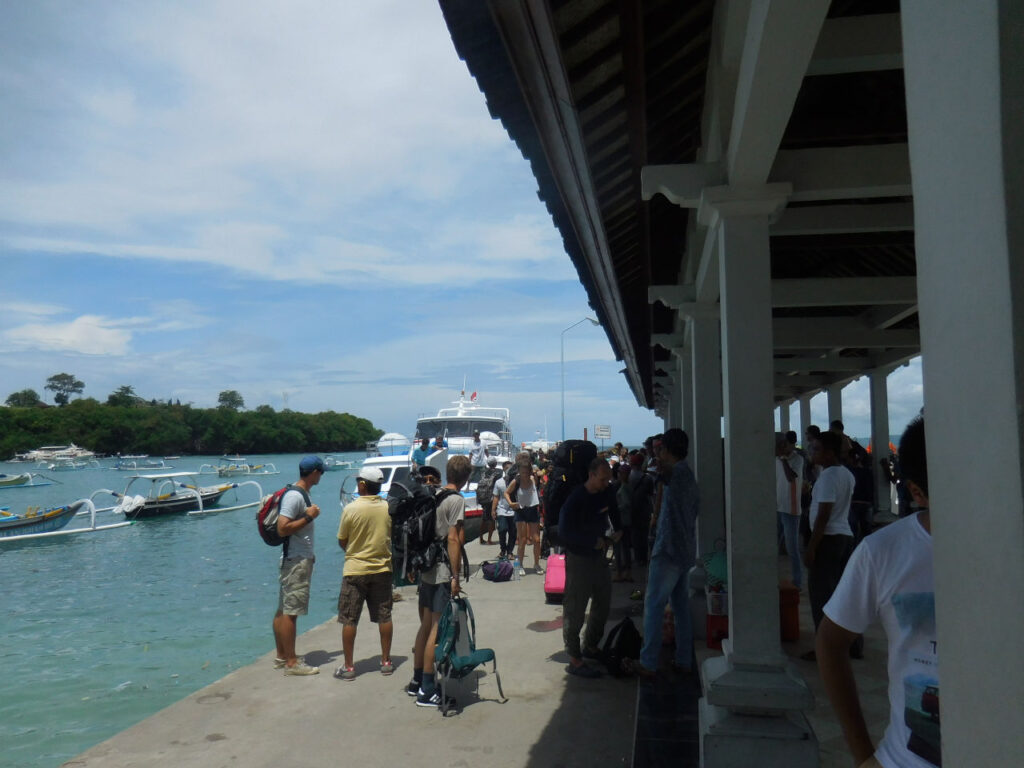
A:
(890, 579)
(831, 540)
(477, 457)
(504, 515)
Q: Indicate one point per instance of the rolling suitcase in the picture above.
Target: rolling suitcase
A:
(554, 579)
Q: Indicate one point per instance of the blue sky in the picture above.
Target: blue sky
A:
(307, 202)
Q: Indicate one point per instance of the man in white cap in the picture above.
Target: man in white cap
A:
(295, 525)
(365, 535)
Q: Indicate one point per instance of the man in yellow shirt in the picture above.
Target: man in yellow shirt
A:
(365, 535)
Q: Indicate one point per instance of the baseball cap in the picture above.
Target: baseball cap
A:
(310, 463)
(371, 475)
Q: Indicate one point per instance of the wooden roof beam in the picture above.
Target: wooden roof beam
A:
(846, 291)
(845, 219)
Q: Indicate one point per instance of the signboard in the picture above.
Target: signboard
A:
(602, 432)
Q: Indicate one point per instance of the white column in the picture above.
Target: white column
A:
(684, 375)
(877, 380)
(835, 404)
(706, 438)
(805, 416)
(966, 136)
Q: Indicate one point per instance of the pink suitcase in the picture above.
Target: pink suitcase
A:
(554, 578)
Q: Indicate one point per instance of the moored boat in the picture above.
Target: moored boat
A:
(334, 464)
(168, 493)
(37, 520)
(9, 481)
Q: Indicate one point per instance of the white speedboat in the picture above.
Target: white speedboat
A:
(334, 464)
(52, 453)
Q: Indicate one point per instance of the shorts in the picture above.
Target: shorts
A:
(528, 514)
(293, 598)
(435, 596)
(373, 588)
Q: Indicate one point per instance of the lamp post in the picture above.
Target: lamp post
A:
(584, 320)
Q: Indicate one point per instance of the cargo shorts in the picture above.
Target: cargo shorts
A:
(375, 589)
(296, 575)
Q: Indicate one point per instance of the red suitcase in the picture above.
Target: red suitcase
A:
(554, 578)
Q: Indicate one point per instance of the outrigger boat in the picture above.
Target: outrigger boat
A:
(23, 480)
(137, 463)
(237, 467)
(37, 523)
(68, 465)
(171, 493)
(332, 464)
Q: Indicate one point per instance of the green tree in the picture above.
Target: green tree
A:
(230, 400)
(26, 398)
(63, 385)
(123, 396)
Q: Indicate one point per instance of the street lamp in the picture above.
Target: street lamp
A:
(584, 320)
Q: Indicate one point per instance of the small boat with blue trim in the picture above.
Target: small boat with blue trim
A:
(37, 519)
(171, 493)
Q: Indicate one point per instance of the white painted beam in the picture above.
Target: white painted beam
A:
(858, 44)
(885, 317)
(681, 183)
(670, 295)
(668, 340)
(845, 219)
(845, 173)
(780, 39)
(829, 332)
(845, 291)
(835, 364)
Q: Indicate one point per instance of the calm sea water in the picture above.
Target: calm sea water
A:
(101, 630)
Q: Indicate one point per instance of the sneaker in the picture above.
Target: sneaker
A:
(539, 570)
(413, 688)
(434, 699)
(522, 571)
(387, 667)
(302, 668)
(279, 662)
(345, 673)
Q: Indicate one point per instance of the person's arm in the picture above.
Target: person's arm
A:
(343, 543)
(286, 526)
(820, 523)
(508, 492)
(456, 538)
(832, 647)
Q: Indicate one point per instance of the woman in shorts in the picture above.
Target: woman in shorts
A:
(523, 495)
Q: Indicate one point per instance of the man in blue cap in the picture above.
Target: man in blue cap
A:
(295, 525)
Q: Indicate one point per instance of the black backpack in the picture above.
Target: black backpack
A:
(572, 462)
(623, 642)
(485, 489)
(415, 546)
(575, 456)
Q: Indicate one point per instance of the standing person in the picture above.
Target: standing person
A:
(584, 528)
(485, 498)
(890, 579)
(295, 522)
(419, 456)
(831, 538)
(673, 554)
(365, 536)
(477, 457)
(624, 503)
(504, 515)
(523, 495)
(439, 584)
(789, 474)
(641, 486)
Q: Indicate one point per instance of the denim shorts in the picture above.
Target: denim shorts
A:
(528, 514)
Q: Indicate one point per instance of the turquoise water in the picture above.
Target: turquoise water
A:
(101, 630)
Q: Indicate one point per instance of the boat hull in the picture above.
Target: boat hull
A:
(11, 480)
(45, 522)
(175, 505)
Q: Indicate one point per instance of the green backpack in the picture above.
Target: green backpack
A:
(456, 654)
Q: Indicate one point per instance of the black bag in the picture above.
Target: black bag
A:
(623, 642)
(575, 457)
(415, 546)
(485, 490)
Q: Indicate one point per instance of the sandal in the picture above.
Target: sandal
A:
(633, 666)
(387, 667)
(345, 673)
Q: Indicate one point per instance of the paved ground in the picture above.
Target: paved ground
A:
(257, 717)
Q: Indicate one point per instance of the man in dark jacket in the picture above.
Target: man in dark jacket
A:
(584, 527)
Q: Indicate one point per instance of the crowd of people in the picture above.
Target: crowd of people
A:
(637, 509)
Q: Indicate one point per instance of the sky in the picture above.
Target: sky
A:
(306, 202)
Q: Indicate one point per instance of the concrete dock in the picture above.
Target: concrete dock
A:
(258, 717)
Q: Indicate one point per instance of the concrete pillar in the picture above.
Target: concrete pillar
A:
(805, 416)
(835, 404)
(966, 135)
(684, 374)
(880, 435)
(753, 677)
(706, 438)
(784, 418)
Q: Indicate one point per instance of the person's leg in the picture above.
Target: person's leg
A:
(348, 642)
(513, 535)
(659, 587)
(680, 601)
(379, 604)
(600, 581)
(522, 536)
(574, 606)
(419, 647)
(293, 602)
(441, 595)
(502, 535)
(387, 629)
(284, 633)
(535, 536)
(791, 531)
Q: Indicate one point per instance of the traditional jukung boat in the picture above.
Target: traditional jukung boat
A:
(37, 520)
(171, 493)
(23, 480)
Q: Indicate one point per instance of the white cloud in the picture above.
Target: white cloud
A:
(88, 335)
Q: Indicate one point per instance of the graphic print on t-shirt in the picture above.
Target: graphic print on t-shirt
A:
(915, 612)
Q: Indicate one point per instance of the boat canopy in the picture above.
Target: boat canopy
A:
(459, 426)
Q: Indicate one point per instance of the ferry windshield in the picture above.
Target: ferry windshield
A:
(456, 427)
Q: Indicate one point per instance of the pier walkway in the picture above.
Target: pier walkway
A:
(256, 716)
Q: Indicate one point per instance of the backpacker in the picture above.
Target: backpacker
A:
(499, 570)
(623, 642)
(456, 654)
(415, 546)
(270, 511)
(572, 463)
(485, 489)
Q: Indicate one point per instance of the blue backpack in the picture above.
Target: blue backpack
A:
(456, 654)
